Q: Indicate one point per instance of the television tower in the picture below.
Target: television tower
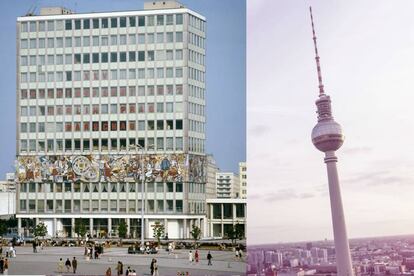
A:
(327, 137)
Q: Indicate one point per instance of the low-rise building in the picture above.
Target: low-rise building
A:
(224, 214)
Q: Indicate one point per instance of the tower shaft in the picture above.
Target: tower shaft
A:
(343, 255)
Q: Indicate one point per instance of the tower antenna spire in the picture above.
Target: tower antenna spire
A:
(318, 64)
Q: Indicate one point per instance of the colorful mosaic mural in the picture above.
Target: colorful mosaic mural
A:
(111, 168)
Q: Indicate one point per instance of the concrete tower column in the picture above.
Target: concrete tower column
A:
(343, 255)
(166, 226)
(54, 234)
(128, 223)
(146, 228)
(19, 226)
(72, 228)
(109, 227)
(185, 228)
(91, 227)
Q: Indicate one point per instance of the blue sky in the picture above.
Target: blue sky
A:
(226, 72)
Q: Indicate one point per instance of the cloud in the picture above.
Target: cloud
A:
(376, 178)
(357, 150)
(306, 195)
(259, 129)
(281, 195)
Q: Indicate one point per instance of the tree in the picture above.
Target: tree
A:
(122, 229)
(40, 230)
(3, 227)
(159, 230)
(195, 233)
(7, 224)
(235, 233)
(80, 228)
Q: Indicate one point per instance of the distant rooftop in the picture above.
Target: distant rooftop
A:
(152, 5)
(54, 11)
(158, 5)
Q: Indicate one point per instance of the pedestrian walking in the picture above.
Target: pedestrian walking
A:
(74, 265)
(34, 246)
(127, 271)
(190, 257)
(209, 257)
(196, 256)
(152, 266)
(108, 272)
(5, 266)
(240, 254)
(68, 265)
(155, 273)
(120, 268)
(60, 266)
(1, 265)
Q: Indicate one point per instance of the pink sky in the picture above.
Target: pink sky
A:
(367, 59)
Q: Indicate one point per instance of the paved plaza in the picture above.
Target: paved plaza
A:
(45, 262)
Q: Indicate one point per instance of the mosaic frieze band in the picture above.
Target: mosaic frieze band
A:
(112, 168)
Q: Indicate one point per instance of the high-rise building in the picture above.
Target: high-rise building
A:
(111, 120)
(227, 185)
(243, 179)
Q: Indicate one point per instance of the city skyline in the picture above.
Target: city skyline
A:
(227, 155)
(366, 65)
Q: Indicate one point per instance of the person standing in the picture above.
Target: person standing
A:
(68, 265)
(127, 271)
(34, 246)
(152, 267)
(155, 273)
(60, 266)
(120, 268)
(209, 257)
(190, 257)
(108, 272)
(196, 255)
(1, 265)
(5, 266)
(74, 265)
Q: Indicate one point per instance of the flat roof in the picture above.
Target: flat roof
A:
(226, 200)
(108, 14)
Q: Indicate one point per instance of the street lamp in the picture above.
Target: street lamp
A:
(142, 191)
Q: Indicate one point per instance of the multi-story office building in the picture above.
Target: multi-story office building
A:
(227, 185)
(8, 196)
(103, 99)
(212, 169)
(243, 179)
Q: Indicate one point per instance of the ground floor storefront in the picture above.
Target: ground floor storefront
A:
(106, 226)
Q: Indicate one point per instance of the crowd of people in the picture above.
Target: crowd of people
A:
(195, 257)
(68, 264)
(93, 252)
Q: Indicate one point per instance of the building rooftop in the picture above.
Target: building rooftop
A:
(166, 7)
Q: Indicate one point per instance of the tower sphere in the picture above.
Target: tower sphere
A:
(327, 135)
